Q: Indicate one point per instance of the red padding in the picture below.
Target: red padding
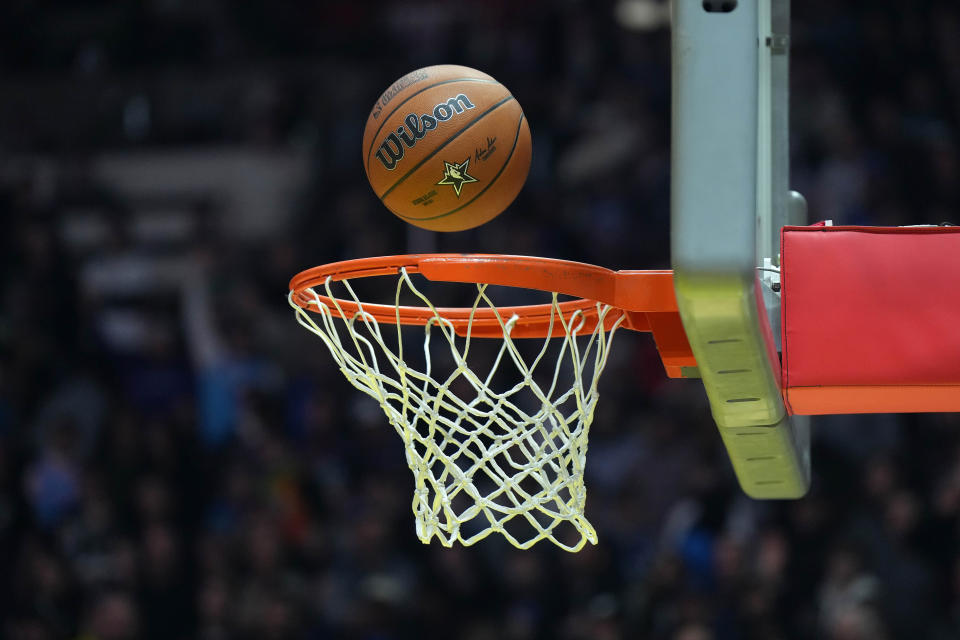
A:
(870, 319)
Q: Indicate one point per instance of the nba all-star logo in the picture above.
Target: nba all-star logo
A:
(456, 175)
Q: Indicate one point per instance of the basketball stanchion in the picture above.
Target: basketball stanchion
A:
(489, 455)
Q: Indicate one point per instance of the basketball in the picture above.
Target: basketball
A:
(446, 148)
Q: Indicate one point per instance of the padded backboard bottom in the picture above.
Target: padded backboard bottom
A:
(826, 400)
(870, 319)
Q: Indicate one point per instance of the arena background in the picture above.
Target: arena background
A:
(179, 459)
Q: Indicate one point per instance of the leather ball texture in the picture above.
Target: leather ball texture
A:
(446, 148)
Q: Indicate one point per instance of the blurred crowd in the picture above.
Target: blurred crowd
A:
(179, 459)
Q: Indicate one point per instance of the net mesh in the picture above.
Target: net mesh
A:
(500, 450)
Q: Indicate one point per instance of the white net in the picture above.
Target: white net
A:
(501, 451)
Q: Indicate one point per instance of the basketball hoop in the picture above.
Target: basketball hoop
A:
(488, 456)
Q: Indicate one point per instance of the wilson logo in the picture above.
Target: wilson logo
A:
(416, 127)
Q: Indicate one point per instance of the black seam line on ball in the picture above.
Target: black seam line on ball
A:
(446, 142)
(516, 138)
(373, 142)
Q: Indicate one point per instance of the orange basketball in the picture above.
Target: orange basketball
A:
(446, 148)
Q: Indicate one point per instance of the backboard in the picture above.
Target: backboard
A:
(730, 197)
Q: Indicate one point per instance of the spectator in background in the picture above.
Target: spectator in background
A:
(227, 368)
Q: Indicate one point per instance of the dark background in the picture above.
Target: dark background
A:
(179, 459)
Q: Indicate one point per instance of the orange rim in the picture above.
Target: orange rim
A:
(644, 300)
(638, 291)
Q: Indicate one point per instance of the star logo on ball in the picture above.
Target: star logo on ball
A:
(456, 175)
